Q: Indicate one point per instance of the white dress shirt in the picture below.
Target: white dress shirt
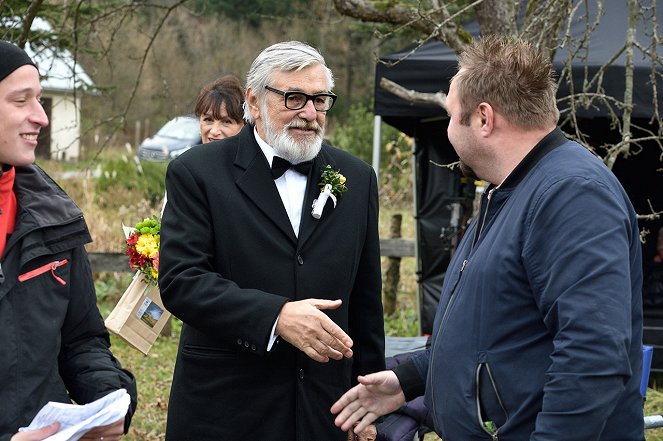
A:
(291, 186)
(292, 189)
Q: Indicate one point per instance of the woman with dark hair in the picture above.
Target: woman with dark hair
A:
(219, 108)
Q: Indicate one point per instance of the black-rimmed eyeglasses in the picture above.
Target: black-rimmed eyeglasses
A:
(297, 100)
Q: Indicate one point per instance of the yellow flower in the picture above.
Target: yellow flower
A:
(335, 179)
(155, 273)
(148, 245)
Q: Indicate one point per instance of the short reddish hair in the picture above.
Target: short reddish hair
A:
(512, 76)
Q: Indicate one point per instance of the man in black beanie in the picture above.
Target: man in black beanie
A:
(55, 346)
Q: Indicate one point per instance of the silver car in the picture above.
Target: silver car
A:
(174, 138)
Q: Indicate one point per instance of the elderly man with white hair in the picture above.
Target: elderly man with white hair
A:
(281, 309)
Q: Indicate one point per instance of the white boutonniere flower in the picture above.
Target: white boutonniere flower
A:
(332, 185)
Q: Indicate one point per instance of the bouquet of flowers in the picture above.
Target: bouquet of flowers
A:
(143, 249)
(140, 315)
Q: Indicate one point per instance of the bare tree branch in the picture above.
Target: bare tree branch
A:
(438, 98)
(426, 22)
(544, 22)
(654, 215)
(30, 16)
(450, 166)
(623, 147)
(431, 35)
(152, 38)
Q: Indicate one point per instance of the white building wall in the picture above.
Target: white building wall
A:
(65, 126)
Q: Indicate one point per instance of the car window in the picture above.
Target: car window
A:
(181, 128)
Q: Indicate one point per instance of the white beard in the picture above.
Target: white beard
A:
(289, 148)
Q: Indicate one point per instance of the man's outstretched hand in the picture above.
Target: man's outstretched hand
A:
(305, 326)
(376, 395)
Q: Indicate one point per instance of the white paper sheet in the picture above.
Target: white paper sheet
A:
(75, 420)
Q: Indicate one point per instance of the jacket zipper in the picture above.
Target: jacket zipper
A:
(42, 269)
(462, 268)
(484, 217)
(494, 434)
(465, 262)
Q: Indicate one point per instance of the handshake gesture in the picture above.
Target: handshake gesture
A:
(305, 326)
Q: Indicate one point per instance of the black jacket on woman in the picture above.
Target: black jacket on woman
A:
(55, 346)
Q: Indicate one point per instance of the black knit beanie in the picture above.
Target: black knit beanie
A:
(11, 58)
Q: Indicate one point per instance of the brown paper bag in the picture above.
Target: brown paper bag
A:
(139, 316)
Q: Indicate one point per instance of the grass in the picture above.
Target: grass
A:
(654, 406)
(154, 374)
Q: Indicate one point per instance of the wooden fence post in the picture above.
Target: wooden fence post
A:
(392, 275)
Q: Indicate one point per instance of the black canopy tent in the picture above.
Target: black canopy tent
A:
(443, 199)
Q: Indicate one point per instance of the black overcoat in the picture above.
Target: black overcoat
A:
(229, 260)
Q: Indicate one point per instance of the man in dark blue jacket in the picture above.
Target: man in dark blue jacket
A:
(539, 329)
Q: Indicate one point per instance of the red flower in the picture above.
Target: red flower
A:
(140, 262)
(133, 239)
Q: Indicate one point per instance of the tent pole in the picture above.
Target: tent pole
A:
(415, 209)
(377, 123)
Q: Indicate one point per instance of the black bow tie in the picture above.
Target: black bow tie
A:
(280, 166)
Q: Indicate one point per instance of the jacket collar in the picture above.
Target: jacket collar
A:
(47, 222)
(43, 205)
(41, 202)
(549, 142)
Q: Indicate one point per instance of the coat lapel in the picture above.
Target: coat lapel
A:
(256, 182)
(308, 223)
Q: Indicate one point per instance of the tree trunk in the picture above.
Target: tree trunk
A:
(623, 148)
(392, 276)
(496, 17)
